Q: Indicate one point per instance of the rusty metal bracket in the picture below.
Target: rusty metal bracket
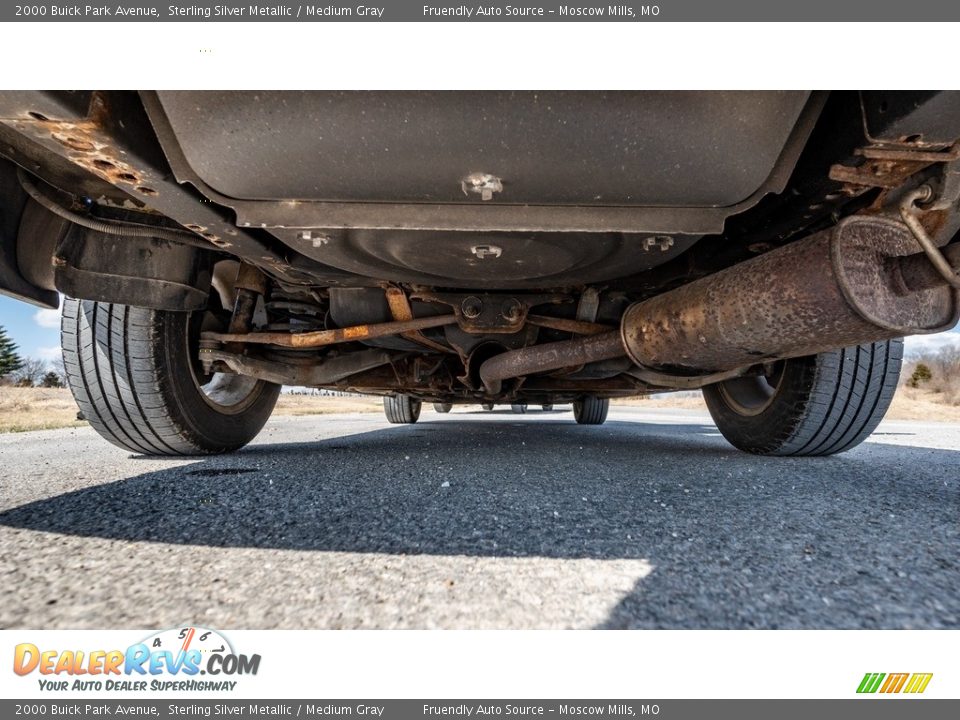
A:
(400, 310)
(948, 189)
(497, 313)
(911, 212)
(888, 168)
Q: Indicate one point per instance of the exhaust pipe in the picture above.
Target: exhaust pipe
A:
(860, 281)
(549, 356)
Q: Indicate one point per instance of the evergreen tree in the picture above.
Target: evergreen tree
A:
(921, 374)
(10, 361)
(51, 380)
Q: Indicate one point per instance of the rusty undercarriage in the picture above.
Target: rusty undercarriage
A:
(481, 248)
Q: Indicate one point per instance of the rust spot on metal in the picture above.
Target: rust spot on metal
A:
(887, 168)
(90, 145)
(933, 221)
(401, 311)
(102, 163)
(887, 174)
(332, 337)
(875, 153)
(74, 143)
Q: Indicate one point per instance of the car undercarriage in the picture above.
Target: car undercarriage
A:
(533, 248)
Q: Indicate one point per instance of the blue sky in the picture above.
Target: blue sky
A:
(37, 331)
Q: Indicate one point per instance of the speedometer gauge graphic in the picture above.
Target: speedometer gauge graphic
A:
(182, 639)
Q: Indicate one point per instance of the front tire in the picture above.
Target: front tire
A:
(519, 408)
(401, 409)
(810, 406)
(590, 410)
(134, 375)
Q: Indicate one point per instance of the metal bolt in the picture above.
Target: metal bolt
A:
(315, 240)
(471, 307)
(511, 309)
(487, 251)
(664, 242)
(483, 184)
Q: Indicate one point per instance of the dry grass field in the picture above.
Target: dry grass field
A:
(908, 404)
(23, 409)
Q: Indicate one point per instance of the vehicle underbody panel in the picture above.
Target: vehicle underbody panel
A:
(481, 246)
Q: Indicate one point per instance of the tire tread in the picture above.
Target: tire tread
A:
(115, 364)
(839, 398)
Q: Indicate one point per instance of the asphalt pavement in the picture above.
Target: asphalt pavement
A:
(482, 519)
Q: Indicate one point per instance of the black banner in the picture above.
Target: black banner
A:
(490, 11)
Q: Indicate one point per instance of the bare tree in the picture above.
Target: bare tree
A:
(30, 373)
(947, 360)
(57, 367)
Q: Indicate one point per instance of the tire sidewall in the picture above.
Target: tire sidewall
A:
(766, 431)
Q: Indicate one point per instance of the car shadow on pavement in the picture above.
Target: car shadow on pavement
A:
(734, 540)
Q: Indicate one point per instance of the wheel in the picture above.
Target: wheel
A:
(519, 408)
(401, 409)
(548, 407)
(590, 410)
(136, 377)
(487, 406)
(443, 407)
(817, 405)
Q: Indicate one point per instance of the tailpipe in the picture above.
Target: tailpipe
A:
(858, 282)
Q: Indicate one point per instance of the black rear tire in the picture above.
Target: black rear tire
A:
(519, 408)
(401, 409)
(547, 408)
(486, 406)
(590, 410)
(443, 407)
(817, 405)
(134, 375)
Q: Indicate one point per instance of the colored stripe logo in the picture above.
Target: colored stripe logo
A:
(913, 683)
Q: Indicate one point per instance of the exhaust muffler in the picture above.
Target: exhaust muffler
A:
(839, 287)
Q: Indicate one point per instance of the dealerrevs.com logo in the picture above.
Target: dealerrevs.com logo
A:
(169, 660)
(910, 683)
